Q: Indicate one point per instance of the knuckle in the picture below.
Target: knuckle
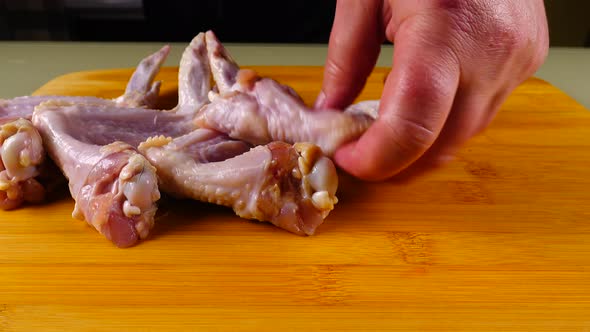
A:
(429, 85)
(340, 81)
(427, 93)
(450, 4)
(464, 16)
(500, 33)
(419, 94)
(505, 39)
(335, 67)
(411, 135)
(494, 29)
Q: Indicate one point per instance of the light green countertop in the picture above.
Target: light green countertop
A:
(25, 66)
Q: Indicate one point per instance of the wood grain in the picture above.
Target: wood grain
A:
(497, 240)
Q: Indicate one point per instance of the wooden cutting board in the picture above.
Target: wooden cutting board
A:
(497, 240)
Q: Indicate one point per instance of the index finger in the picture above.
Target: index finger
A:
(354, 46)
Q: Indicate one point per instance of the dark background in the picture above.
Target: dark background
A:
(295, 21)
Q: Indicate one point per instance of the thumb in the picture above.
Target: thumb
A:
(416, 101)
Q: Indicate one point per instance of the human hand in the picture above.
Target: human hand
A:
(455, 62)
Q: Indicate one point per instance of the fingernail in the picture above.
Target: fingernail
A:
(319, 103)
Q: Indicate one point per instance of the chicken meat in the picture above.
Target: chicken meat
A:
(115, 188)
(247, 142)
(261, 110)
(291, 186)
(22, 155)
(94, 145)
(278, 183)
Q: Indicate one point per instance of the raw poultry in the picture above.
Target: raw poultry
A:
(238, 144)
(25, 173)
(261, 110)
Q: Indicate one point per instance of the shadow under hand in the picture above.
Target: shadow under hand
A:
(360, 202)
(420, 168)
